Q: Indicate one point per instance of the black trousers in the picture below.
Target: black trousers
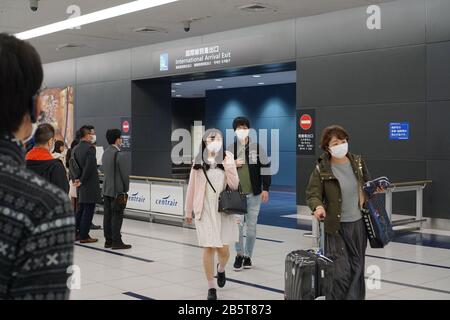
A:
(348, 251)
(112, 221)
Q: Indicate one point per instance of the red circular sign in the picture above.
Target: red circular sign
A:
(125, 126)
(305, 122)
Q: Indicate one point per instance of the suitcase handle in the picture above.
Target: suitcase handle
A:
(318, 227)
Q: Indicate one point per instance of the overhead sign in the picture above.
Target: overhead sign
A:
(167, 199)
(220, 55)
(139, 196)
(399, 131)
(306, 133)
(126, 134)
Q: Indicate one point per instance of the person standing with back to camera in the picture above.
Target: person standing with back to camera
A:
(216, 231)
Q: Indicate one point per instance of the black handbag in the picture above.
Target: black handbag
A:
(74, 168)
(230, 201)
(120, 199)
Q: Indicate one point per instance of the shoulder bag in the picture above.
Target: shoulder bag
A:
(230, 201)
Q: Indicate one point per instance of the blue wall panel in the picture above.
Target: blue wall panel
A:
(268, 107)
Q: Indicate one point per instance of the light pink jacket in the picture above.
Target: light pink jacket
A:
(195, 195)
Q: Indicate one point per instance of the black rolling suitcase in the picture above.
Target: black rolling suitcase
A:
(308, 273)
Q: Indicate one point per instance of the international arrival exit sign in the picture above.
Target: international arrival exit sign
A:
(399, 131)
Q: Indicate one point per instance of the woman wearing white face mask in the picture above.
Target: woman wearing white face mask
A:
(215, 230)
(334, 194)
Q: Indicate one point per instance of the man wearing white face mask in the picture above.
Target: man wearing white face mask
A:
(41, 161)
(250, 159)
(334, 194)
(88, 183)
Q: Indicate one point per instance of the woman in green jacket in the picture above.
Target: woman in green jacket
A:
(334, 194)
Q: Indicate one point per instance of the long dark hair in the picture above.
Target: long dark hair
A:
(220, 156)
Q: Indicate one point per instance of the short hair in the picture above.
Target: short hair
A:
(44, 133)
(332, 131)
(58, 145)
(21, 77)
(241, 121)
(84, 131)
(112, 135)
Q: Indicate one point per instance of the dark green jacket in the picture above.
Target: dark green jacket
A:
(324, 189)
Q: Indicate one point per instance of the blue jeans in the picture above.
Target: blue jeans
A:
(251, 220)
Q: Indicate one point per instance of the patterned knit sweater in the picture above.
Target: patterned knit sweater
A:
(36, 231)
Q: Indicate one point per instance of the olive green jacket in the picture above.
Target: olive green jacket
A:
(324, 189)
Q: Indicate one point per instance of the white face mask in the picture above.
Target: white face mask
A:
(339, 151)
(214, 146)
(94, 139)
(242, 133)
(34, 127)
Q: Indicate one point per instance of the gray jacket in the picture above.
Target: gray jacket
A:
(89, 191)
(122, 172)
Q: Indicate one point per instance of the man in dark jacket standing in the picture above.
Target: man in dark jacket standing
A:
(36, 220)
(117, 172)
(88, 184)
(41, 161)
(251, 162)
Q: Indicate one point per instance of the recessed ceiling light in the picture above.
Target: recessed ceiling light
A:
(149, 30)
(260, 83)
(178, 96)
(256, 76)
(218, 80)
(120, 10)
(219, 87)
(173, 91)
(70, 46)
(178, 84)
(257, 7)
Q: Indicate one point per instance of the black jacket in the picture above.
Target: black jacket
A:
(52, 171)
(37, 231)
(257, 164)
(85, 155)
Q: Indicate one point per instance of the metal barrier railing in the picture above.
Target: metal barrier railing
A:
(149, 214)
(418, 187)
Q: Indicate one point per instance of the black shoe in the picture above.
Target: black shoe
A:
(221, 278)
(247, 263)
(238, 263)
(94, 227)
(121, 246)
(108, 245)
(212, 294)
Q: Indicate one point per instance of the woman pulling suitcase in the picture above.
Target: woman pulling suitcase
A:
(334, 193)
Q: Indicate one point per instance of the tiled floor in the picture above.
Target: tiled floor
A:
(165, 263)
